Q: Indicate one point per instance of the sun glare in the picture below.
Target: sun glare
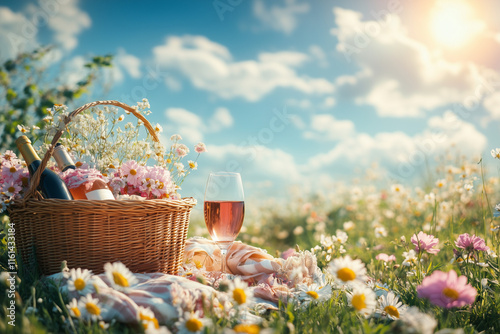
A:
(453, 23)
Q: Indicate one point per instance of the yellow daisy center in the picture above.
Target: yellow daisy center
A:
(120, 279)
(198, 264)
(133, 171)
(451, 293)
(76, 312)
(93, 308)
(13, 169)
(313, 294)
(249, 329)
(358, 302)
(392, 310)
(78, 164)
(239, 296)
(148, 318)
(11, 189)
(192, 165)
(194, 325)
(80, 284)
(346, 274)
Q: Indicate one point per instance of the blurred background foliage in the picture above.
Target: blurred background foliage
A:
(28, 86)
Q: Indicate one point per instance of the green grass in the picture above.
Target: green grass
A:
(41, 308)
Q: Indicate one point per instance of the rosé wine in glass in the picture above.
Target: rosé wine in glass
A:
(224, 219)
(224, 209)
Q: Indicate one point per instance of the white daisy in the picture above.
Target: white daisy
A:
(341, 236)
(161, 330)
(103, 325)
(90, 307)
(410, 258)
(119, 275)
(362, 299)
(380, 232)
(80, 280)
(419, 322)
(389, 306)
(347, 271)
(313, 293)
(191, 323)
(73, 309)
(147, 318)
(239, 292)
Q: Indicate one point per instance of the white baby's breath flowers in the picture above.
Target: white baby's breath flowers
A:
(175, 138)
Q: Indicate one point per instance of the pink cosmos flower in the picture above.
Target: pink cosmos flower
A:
(471, 243)
(133, 171)
(200, 148)
(447, 290)
(11, 169)
(386, 258)
(8, 156)
(425, 242)
(11, 188)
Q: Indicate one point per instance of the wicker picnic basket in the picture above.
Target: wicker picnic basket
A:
(146, 236)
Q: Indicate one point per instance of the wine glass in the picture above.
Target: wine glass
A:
(224, 210)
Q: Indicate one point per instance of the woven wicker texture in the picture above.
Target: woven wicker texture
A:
(147, 236)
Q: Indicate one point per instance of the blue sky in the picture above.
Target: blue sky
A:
(289, 92)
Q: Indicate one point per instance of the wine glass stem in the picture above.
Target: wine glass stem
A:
(223, 253)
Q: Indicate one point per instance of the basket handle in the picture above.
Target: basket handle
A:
(35, 179)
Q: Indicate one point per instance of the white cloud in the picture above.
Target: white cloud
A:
(17, 33)
(399, 152)
(209, 66)
(300, 103)
(492, 105)
(221, 119)
(398, 76)
(192, 127)
(307, 104)
(256, 162)
(67, 21)
(280, 18)
(19, 30)
(125, 63)
(317, 52)
(74, 70)
(326, 127)
(289, 58)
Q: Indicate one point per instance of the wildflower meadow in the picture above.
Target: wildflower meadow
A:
(362, 259)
